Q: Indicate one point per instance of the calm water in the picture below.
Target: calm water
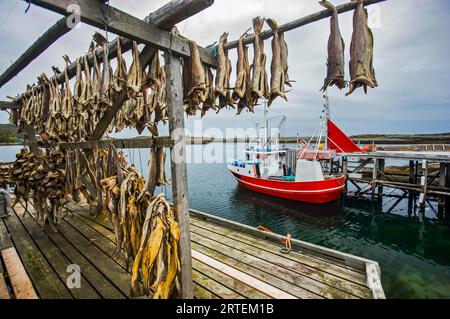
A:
(414, 257)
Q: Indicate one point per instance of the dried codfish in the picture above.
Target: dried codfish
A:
(67, 102)
(210, 102)
(277, 72)
(223, 74)
(260, 83)
(160, 168)
(336, 47)
(120, 74)
(194, 81)
(362, 72)
(243, 77)
(134, 80)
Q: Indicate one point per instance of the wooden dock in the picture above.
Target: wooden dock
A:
(229, 261)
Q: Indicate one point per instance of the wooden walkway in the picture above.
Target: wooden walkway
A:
(227, 263)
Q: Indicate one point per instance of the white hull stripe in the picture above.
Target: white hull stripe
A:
(294, 191)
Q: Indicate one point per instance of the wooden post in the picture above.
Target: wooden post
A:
(179, 169)
(374, 176)
(423, 194)
(442, 183)
(381, 164)
(447, 198)
(345, 170)
(31, 137)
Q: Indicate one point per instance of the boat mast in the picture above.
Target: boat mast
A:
(266, 125)
(326, 112)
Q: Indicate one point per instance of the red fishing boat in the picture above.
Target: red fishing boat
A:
(265, 169)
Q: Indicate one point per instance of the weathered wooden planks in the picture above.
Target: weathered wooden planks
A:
(309, 278)
(4, 293)
(46, 282)
(311, 262)
(59, 261)
(241, 276)
(245, 290)
(21, 283)
(5, 239)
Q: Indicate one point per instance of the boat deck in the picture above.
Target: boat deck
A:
(227, 262)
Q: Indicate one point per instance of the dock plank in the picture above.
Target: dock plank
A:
(215, 287)
(20, 282)
(4, 293)
(241, 276)
(255, 272)
(105, 244)
(46, 282)
(315, 280)
(56, 258)
(304, 259)
(285, 278)
(203, 293)
(5, 239)
(233, 284)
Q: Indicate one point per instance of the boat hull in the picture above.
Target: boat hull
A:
(317, 192)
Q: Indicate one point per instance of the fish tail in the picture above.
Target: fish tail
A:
(327, 4)
(258, 24)
(272, 24)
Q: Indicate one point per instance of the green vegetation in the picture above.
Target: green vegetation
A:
(9, 134)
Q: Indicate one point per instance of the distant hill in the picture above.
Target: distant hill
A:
(9, 134)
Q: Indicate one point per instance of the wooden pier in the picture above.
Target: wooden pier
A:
(230, 260)
(427, 175)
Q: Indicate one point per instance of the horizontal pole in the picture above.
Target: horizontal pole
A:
(301, 22)
(55, 32)
(126, 25)
(132, 143)
(8, 105)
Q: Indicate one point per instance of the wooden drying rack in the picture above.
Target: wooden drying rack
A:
(155, 33)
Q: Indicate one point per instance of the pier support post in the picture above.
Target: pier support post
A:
(423, 194)
(442, 183)
(374, 176)
(345, 170)
(381, 166)
(179, 169)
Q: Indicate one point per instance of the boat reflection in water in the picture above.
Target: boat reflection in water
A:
(272, 209)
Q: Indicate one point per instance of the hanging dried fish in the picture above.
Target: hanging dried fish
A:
(223, 75)
(194, 81)
(160, 168)
(134, 80)
(243, 77)
(260, 83)
(120, 75)
(362, 72)
(210, 101)
(336, 47)
(277, 79)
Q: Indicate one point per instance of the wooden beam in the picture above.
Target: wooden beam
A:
(179, 169)
(301, 22)
(173, 14)
(128, 26)
(138, 142)
(4, 105)
(55, 32)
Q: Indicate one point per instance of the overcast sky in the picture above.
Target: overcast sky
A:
(411, 60)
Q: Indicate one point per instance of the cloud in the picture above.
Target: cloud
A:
(410, 59)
